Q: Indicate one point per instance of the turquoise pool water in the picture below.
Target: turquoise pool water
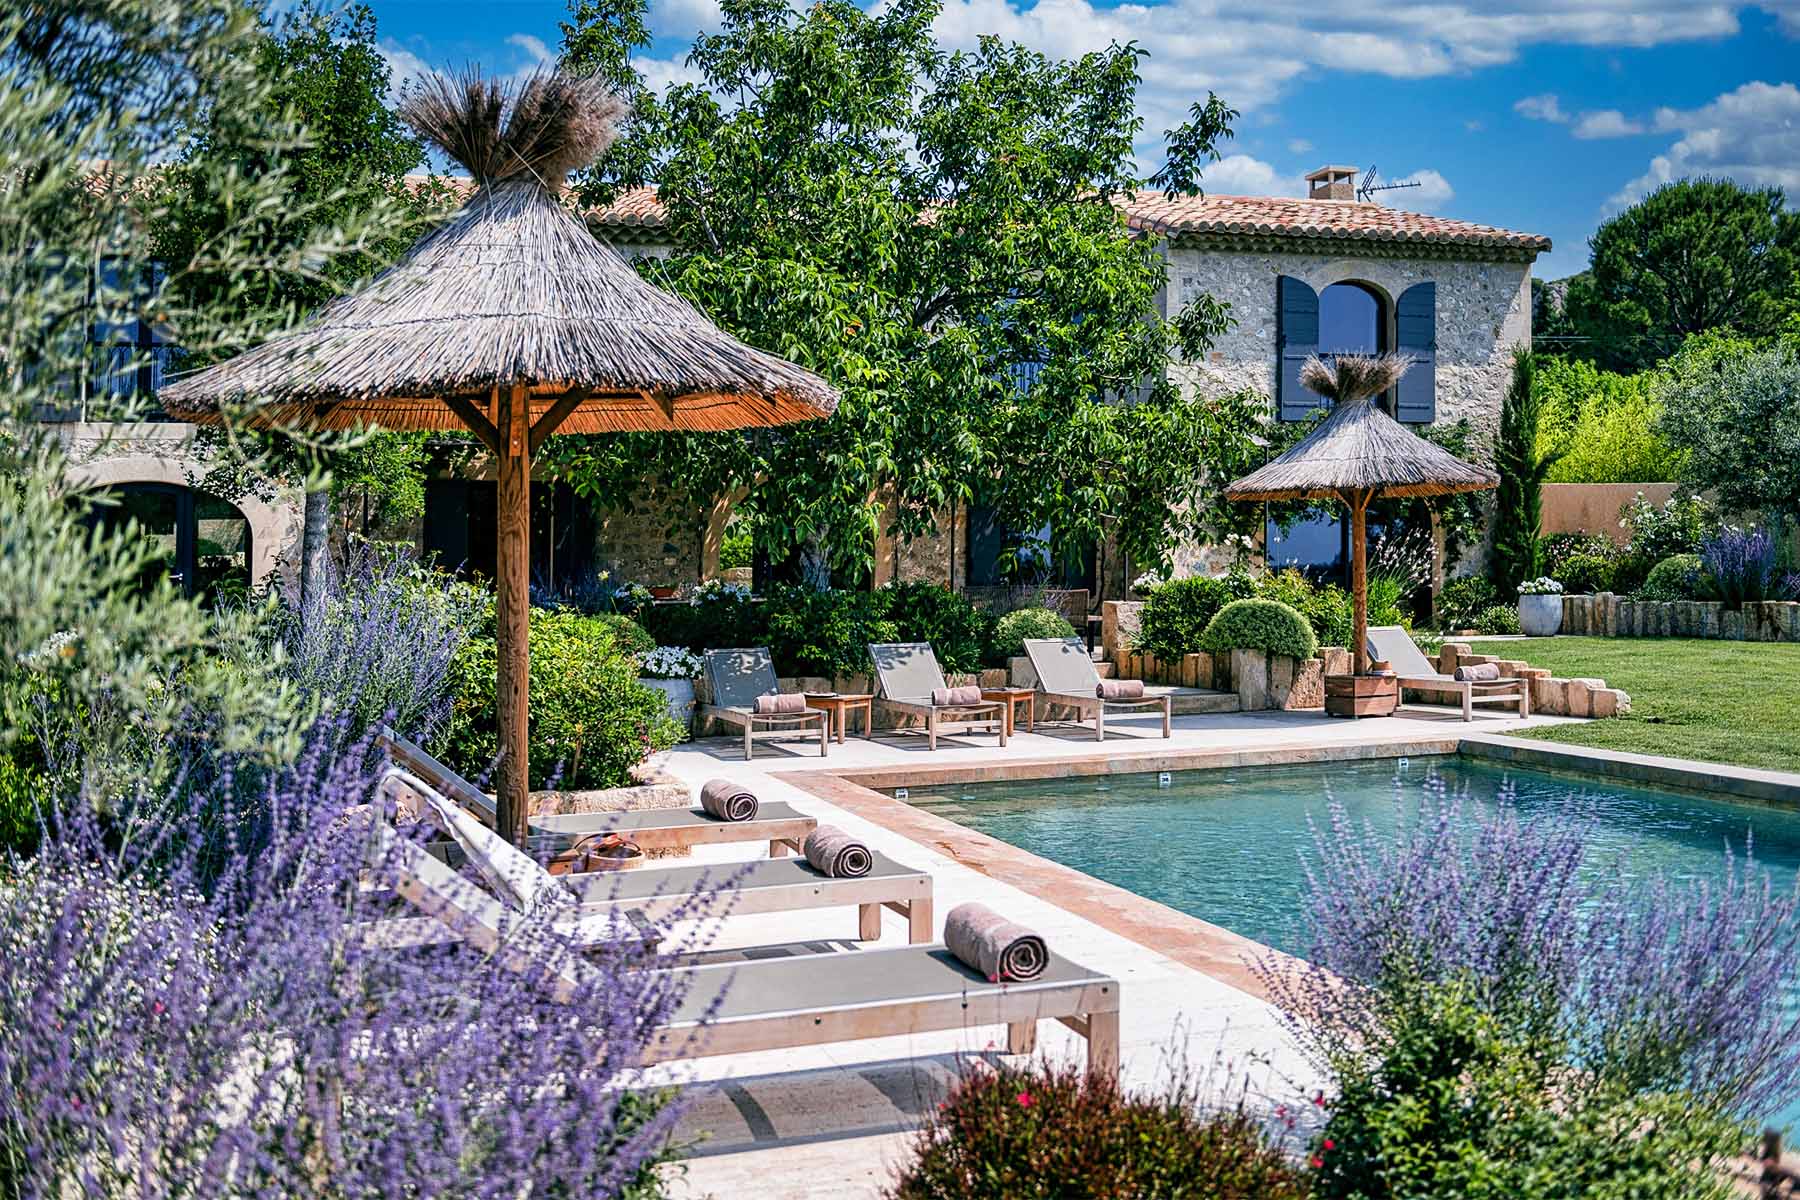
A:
(1226, 845)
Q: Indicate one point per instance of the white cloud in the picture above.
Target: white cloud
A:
(660, 73)
(1299, 146)
(534, 48)
(1242, 175)
(1433, 192)
(404, 67)
(1606, 123)
(1750, 134)
(1545, 107)
(684, 18)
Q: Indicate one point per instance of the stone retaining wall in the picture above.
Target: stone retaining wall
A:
(1610, 615)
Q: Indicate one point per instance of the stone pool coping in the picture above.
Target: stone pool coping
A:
(1212, 949)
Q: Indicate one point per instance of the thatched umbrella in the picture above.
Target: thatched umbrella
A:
(1359, 454)
(514, 322)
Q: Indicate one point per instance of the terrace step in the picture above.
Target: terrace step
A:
(1186, 701)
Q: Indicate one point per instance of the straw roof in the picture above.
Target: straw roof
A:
(1360, 448)
(513, 290)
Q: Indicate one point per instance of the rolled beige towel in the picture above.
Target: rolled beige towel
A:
(727, 801)
(1120, 689)
(1478, 673)
(950, 697)
(785, 702)
(836, 853)
(989, 943)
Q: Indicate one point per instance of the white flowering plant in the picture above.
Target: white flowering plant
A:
(671, 662)
(1543, 585)
(718, 589)
(1149, 581)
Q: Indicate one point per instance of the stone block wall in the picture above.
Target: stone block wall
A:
(1610, 615)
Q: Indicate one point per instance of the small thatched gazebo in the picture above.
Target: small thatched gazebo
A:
(514, 322)
(1356, 455)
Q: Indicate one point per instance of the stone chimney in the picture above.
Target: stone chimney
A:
(1331, 183)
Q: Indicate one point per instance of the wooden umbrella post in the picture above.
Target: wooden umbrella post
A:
(512, 612)
(1359, 578)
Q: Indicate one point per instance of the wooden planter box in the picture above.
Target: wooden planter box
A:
(1361, 695)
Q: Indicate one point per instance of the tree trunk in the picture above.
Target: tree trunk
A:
(512, 613)
(315, 551)
(815, 564)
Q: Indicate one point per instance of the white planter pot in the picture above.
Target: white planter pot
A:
(680, 695)
(1540, 616)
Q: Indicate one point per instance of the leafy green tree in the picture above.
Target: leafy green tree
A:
(1733, 407)
(1523, 467)
(936, 233)
(321, 68)
(98, 677)
(1692, 256)
(1604, 424)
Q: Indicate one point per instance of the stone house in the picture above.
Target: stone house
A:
(1328, 273)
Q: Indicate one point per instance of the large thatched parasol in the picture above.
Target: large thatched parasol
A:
(1358, 454)
(514, 322)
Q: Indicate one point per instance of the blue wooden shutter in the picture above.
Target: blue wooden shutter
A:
(1415, 315)
(1297, 336)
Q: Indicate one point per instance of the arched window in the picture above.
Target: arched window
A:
(1352, 320)
(202, 542)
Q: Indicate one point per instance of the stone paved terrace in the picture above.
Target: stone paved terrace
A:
(834, 1120)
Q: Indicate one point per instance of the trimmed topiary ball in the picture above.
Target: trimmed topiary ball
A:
(1677, 577)
(1497, 618)
(1587, 574)
(1021, 624)
(1267, 625)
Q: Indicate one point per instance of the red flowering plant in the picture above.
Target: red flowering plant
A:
(1042, 1130)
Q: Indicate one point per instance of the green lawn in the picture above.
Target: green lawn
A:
(1730, 702)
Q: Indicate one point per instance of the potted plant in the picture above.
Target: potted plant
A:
(672, 670)
(1540, 607)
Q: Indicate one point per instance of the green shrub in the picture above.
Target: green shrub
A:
(1327, 607)
(958, 629)
(1014, 629)
(1259, 624)
(1603, 424)
(1176, 614)
(1586, 574)
(737, 548)
(1677, 577)
(591, 720)
(1559, 548)
(1051, 1131)
(1463, 599)
(826, 633)
(1497, 618)
(717, 618)
(1454, 1103)
(630, 637)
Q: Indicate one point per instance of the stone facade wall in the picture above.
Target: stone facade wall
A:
(663, 542)
(107, 454)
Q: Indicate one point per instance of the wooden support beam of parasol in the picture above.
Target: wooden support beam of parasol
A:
(512, 610)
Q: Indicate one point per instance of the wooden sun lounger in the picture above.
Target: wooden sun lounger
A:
(772, 885)
(772, 1004)
(554, 836)
(909, 673)
(735, 678)
(775, 1002)
(1066, 675)
(1394, 645)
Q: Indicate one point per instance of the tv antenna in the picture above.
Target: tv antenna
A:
(1368, 187)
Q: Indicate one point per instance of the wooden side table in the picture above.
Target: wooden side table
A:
(1012, 697)
(839, 706)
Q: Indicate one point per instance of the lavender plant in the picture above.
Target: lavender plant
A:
(1487, 963)
(167, 1032)
(1744, 566)
(382, 645)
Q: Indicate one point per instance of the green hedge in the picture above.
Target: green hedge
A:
(825, 634)
(1261, 625)
(591, 720)
(1176, 614)
(1023, 624)
(1497, 619)
(959, 630)
(1463, 599)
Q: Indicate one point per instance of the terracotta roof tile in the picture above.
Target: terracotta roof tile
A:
(1175, 216)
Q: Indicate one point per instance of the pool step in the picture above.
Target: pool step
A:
(1188, 701)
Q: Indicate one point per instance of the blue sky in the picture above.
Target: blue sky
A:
(1541, 115)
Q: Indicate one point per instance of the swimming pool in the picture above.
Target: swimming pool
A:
(1225, 844)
